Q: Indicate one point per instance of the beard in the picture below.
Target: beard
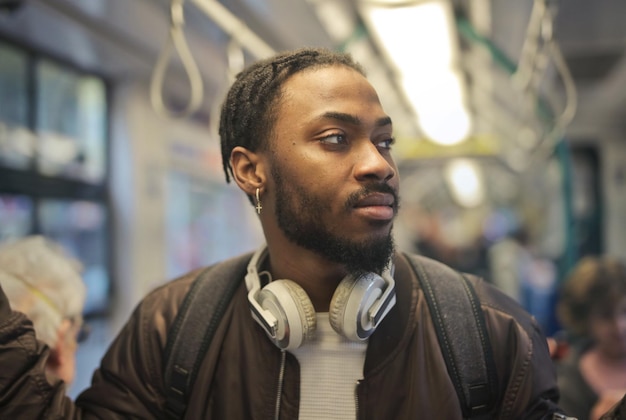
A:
(299, 216)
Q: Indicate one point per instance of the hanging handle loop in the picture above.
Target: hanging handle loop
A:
(176, 42)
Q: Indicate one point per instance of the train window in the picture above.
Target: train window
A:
(13, 92)
(192, 226)
(15, 139)
(16, 213)
(80, 226)
(70, 123)
(54, 159)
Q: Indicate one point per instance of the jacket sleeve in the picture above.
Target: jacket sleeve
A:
(25, 391)
(128, 383)
(527, 374)
(544, 394)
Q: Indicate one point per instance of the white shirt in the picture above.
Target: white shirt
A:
(330, 366)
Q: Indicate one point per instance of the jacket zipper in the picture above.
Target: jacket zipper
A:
(281, 375)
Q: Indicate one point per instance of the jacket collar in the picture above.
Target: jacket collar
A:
(398, 324)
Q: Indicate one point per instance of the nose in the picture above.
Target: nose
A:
(372, 163)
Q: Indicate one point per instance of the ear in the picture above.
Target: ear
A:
(61, 361)
(55, 359)
(248, 169)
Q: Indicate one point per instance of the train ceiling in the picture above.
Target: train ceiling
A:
(122, 39)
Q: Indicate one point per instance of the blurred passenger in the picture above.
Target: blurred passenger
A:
(509, 263)
(592, 309)
(521, 272)
(44, 283)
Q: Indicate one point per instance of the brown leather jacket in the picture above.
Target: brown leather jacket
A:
(244, 376)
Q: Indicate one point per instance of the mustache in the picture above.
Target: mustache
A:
(357, 196)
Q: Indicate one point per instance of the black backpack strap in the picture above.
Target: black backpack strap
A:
(201, 310)
(462, 333)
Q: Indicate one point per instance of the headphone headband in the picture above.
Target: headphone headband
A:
(287, 315)
(253, 284)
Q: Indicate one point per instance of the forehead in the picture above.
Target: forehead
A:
(324, 87)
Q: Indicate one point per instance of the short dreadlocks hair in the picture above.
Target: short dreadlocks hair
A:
(597, 284)
(249, 110)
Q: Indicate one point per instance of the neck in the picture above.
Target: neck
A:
(316, 275)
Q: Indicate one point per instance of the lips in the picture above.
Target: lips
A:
(376, 200)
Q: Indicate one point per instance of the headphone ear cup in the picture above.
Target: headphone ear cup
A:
(293, 309)
(350, 305)
(338, 304)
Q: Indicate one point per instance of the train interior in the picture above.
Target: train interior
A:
(508, 115)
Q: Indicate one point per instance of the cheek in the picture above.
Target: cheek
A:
(609, 330)
(600, 329)
(621, 325)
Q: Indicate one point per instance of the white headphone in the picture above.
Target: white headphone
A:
(287, 315)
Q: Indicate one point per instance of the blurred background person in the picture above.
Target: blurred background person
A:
(592, 309)
(510, 260)
(42, 281)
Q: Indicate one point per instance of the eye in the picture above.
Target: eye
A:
(386, 144)
(335, 138)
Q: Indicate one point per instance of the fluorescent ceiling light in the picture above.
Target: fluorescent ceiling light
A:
(440, 90)
(438, 100)
(416, 38)
(465, 181)
(446, 126)
(419, 41)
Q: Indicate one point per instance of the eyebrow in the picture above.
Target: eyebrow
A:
(352, 119)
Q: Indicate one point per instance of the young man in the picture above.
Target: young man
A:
(330, 322)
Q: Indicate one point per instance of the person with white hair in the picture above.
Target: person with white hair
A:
(44, 282)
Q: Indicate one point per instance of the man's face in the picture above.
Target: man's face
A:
(335, 181)
(608, 328)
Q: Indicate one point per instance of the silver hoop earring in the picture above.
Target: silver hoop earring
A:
(258, 207)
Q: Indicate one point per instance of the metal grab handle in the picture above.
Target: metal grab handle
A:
(176, 41)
